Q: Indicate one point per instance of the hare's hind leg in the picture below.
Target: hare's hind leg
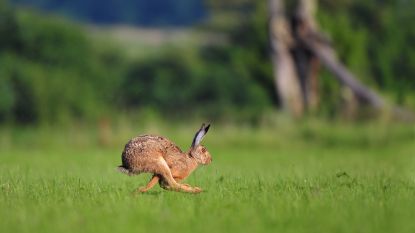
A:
(168, 182)
(150, 184)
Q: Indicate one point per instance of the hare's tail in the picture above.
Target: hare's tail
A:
(124, 170)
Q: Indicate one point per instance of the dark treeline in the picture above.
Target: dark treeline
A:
(51, 71)
(137, 12)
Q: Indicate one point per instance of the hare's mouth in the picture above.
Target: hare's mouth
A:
(208, 161)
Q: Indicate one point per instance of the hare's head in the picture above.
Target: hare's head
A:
(201, 155)
(198, 151)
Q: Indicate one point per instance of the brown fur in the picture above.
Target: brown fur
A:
(161, 157)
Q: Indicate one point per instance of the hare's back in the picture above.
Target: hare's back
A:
(139, 150)
(143, 147)
(145, 144)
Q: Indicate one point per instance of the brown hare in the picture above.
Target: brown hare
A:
(169, 164)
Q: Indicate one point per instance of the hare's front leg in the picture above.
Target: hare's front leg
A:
(150, 184)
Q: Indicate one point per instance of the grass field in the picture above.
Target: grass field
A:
(324, 178)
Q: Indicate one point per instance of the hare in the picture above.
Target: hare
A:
(169, 164)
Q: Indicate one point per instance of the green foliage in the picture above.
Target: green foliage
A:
(52, 41)
(8, 28)
(181, 84)
(51, 73)
(375, 38)
(57, 74)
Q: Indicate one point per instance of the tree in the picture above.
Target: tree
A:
(297, 49)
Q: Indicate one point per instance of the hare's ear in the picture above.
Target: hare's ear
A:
(200, 134)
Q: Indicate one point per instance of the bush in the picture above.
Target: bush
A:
(50, 71)
(182, 84)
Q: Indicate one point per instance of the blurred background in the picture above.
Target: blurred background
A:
(311, 105)
(95, 62)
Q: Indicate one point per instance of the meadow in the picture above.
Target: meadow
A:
(312, 177)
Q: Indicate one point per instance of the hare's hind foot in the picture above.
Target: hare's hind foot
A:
(189, 189)
(182, 188)
(195, 189)
(178, 187)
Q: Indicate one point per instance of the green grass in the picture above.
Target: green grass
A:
(312, 178)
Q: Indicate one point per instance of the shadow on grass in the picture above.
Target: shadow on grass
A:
(152, 193)
(148, 193)
(157, 193)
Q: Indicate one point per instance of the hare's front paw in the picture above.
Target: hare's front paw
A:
(197, 190)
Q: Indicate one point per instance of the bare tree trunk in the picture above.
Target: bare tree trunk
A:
(328, 58)
(285, 75)
(297, 52)
(314, 97)
(309, 65)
